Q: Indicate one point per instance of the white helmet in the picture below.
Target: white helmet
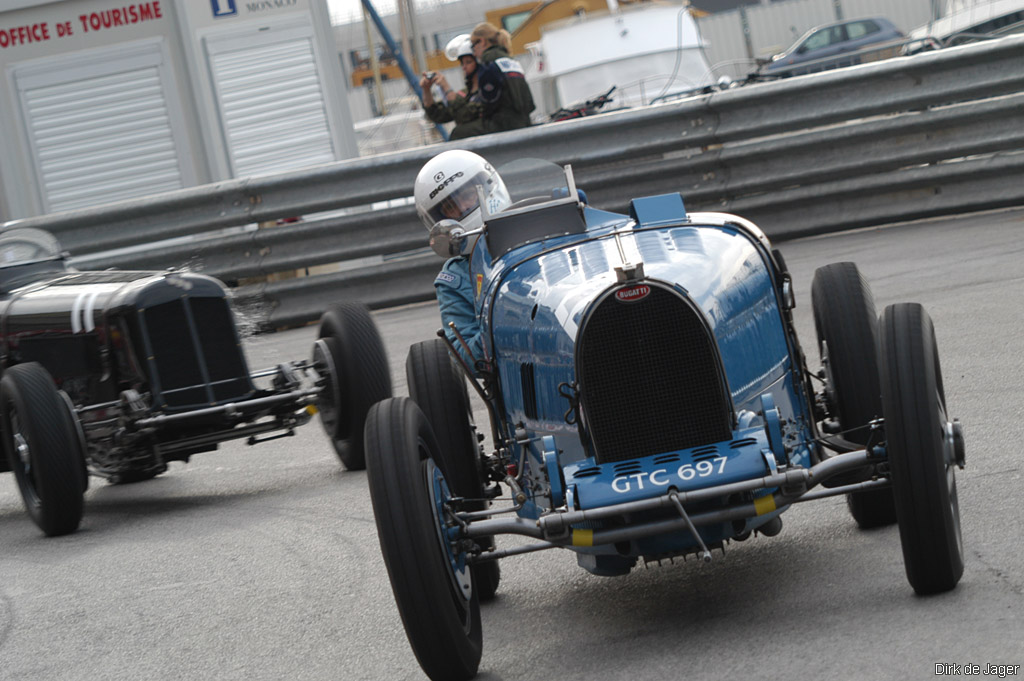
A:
(458, 47)
(446, 189)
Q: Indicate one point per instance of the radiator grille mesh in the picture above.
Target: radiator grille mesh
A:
(649, 380)
(172, 328)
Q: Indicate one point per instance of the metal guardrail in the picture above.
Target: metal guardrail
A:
(911, 137)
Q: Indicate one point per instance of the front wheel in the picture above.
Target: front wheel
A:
(924, 448)
(350, 356)
(440, 391)
(847, 330)
(43, 448)
(432, 582)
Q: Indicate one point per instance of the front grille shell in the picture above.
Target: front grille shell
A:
(192, 353)
(650, 376)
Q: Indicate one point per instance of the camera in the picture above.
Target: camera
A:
(431, 76)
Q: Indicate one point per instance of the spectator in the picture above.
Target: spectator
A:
(506, 97)
(464, 107)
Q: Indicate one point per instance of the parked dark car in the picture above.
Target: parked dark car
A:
(648, 399)
(116, 373)
(835, 45)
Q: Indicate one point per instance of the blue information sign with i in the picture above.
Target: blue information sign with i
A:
(224, 8)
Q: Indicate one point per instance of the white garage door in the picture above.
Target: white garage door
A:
(100, 127)
(270, 98)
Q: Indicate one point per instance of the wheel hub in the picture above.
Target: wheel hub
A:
(329, 397)
(954, 443)
(22, 447)
(21, 444)
(830, 384)
(448, 534)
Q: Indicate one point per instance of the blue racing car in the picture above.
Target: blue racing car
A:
(648, 398)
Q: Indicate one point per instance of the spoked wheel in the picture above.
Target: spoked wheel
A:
(924, 447)
(43, 448)
(432, 583)
(350, 356)
(847, 329)
(440, 391)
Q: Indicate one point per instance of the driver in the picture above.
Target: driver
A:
(446, 188)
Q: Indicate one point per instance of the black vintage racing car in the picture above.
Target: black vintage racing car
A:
(116, 373)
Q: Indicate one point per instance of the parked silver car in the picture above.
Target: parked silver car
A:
(835, 45)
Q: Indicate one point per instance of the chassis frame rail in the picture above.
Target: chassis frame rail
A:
(555, 529)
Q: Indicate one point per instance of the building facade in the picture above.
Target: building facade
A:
(107, 100)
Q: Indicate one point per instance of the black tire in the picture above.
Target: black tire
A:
(436, 385)
(847, 331)
(43, 448)
(921, 457)
(437, 601)
(361, 377)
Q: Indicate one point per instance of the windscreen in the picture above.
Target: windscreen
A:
(533, 180)
(541, 207)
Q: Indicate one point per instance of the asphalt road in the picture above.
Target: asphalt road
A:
(262, 562)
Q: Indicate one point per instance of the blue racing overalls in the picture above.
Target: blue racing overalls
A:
(454, 291)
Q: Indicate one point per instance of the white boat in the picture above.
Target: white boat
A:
(648, 51)
(970, 20)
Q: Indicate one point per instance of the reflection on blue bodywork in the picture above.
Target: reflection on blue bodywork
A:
(544, 289)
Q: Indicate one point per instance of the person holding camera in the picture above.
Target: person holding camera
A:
(463, 107)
